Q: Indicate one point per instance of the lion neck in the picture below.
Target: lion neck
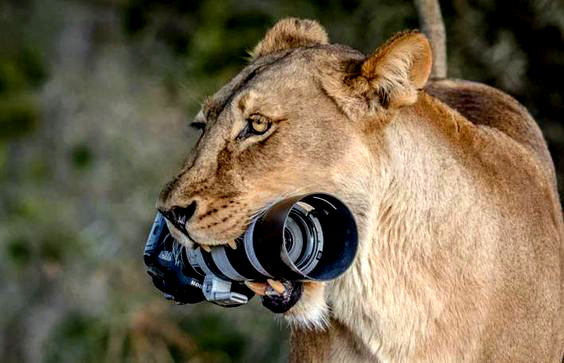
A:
(416, 173)
(412, 200)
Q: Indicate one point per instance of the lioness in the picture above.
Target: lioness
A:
(451, 184)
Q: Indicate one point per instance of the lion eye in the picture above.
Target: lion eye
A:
(258, 124)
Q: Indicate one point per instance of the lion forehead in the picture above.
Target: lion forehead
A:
(277, 77)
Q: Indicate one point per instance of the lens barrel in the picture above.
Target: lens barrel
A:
(309, 237)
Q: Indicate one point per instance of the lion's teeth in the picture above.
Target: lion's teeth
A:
(206, 248)
(277, 285)
(232, 244)
(258, 288)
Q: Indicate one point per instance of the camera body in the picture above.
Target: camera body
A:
(310, 237)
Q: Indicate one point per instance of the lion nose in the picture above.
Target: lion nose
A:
(179, 216)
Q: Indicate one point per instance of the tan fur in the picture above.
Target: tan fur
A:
(291, 33)
(453, 189)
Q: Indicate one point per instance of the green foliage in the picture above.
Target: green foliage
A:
(18, 251)
(84, 338)
(18, 115)
(81, 156)
(22, 70)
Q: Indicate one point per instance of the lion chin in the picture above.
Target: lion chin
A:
(311, 311)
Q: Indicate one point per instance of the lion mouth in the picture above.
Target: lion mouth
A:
(208, 247)
(180, 233)
(278, 296)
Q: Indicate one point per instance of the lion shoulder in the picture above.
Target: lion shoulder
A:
(488, 107)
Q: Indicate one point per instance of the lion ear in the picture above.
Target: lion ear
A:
(397, 70)
(290, 33)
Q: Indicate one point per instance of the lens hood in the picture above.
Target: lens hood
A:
(333, 225)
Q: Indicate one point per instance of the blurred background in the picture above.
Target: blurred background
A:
(95, 98)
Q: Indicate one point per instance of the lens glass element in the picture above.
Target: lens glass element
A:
(303, 238)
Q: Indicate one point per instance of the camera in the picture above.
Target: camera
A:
(304, 238)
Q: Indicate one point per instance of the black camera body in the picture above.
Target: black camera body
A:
(310, 237)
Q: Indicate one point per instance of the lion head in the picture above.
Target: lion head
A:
(302, 117)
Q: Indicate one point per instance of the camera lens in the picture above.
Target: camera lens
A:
(293, 239)
(303, 237)
(288, 239)
(311, 237)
